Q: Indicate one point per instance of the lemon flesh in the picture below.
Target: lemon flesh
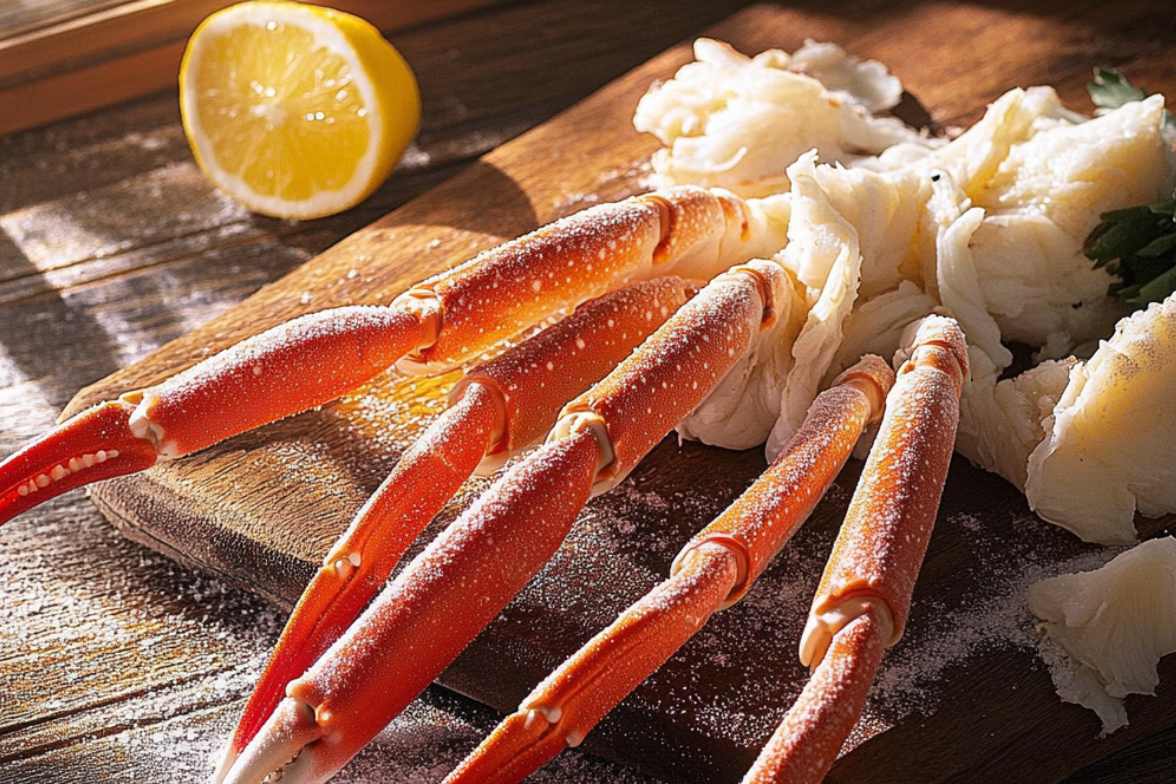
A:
(294, 110)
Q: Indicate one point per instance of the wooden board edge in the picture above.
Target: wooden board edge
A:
(107, 497)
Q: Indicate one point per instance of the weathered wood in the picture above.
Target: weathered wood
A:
(63, 59)
(419, 747)
(88, 583)
(89, 195)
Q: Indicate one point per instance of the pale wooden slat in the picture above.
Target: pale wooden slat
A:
(121, 51)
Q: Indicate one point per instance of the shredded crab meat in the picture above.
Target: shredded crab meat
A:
(1104, 631)
(987, 227)
(739, 122)
(886, 226)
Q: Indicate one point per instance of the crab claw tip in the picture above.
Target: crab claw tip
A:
(286, 745)
(96, 444)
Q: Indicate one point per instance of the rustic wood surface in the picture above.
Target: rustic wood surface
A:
(116, 663)
(67, 58)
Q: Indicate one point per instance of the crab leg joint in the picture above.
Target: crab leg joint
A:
(712, 572)
(464, 578)
(864, 597)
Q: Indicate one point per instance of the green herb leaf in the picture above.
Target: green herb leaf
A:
(1121, 233)
(1159, 247)
(1138, 246)
(1164, 208)
(1155, 290)
(1110, 89)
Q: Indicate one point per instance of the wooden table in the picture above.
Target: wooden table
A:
(115, 663)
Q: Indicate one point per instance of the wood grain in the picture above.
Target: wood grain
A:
(699, 704)
(62, 62)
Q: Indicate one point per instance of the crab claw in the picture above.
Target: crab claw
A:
(292, 742)
(95, 444)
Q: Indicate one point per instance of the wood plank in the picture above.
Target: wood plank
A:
(419, 746)
(18, 18)
(81, 62)
(101, 198)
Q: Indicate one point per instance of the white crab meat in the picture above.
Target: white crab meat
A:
(950, 223)
(1001, 422)
(988, 267)
(988, 227)
(741, 410)
(866, 82)
(876, 325)
(1108, 446)
(1112, 626)
(1044, 200)
(1039, 180)
(885, 210)
(851, 233)
(738, 122)
(976, 155)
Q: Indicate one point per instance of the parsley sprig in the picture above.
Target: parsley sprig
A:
(1137, 244)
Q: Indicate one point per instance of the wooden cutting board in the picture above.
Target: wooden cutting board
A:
(964, 697)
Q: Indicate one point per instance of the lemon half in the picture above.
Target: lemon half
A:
(296, 111)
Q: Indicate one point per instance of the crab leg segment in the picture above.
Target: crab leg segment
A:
(537, 377)
(424, 618)
(283, 371)
(805, 745)
(507, 289)
(449, 319)
(441, 600)
(762, 520)
(574, 698)
(498, 408)
(712, 572)
(864, 597)
(298, 365)
(663, 381)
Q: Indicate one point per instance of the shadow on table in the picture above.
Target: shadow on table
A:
(37, 344)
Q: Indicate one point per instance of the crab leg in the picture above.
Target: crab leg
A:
(711, 573)
(446, 595)
(257, 381)
(439, 323)
(499, 408)
(864, 598)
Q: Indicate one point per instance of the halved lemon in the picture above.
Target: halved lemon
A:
(296, 111)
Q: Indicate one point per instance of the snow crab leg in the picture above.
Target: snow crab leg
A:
(864, 598)
(440, 323)
(497, 409)
(445, 596)
(711, 573)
